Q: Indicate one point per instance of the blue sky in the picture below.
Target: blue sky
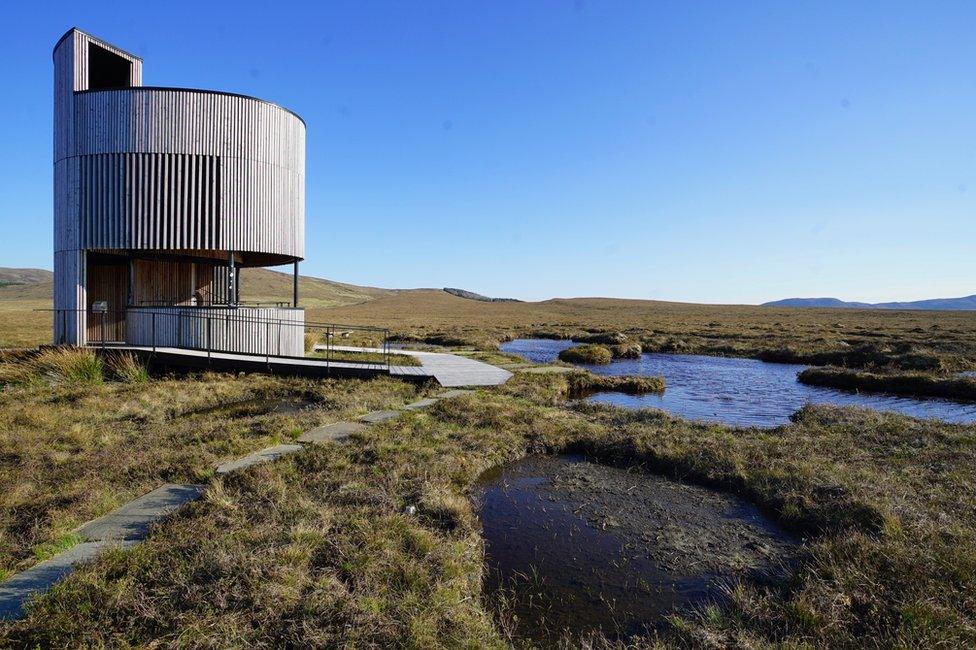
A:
(707, 152)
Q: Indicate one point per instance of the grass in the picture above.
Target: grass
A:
(583, 383)
(374, 542)
(367, 357)
(126, 367)
(56, 365)
(73, 450)
(899, 383)
(589, 353)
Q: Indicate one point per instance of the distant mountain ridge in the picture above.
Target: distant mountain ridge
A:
(966, 303)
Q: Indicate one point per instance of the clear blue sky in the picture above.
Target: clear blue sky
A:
(709, 152)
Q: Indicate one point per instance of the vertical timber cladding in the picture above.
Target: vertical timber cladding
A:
(172, 169)
(167, 174)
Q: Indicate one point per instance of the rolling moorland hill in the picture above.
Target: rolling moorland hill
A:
(845, 336)
(258, 285)
(966, 303)
(9, 276)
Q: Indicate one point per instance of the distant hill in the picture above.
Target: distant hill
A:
(968, 303)
(258, 285)
(265, 285)
(471, 295)
(24, 276)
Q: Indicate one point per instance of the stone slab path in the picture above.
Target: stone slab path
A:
(262, 456)
(16, 591)
(122, 527)
(421, 404)
(133, 521)
(379, 416)
(337, 431)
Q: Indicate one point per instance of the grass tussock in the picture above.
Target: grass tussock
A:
(127, 367)
(583, 383)
(374, 543)
(68, 365)
(588, 353)
(310, 341)
(915, 384)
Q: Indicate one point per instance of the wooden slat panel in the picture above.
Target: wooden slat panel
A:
(251, 330)
(259, 149)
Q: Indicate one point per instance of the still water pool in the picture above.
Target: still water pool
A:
(575, 547)
(740, 392)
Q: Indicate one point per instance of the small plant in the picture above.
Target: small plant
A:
(71, 365)
(311, 339)
(127, 367)
(588, 354)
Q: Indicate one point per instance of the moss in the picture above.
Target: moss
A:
(588, 353)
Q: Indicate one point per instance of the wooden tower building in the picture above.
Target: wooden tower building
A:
(161, 196)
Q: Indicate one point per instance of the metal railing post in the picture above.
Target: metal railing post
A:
(209, 339)
(267, 343)
(103, 331)
(154, 332)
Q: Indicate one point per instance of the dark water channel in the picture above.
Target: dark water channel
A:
(741, 392)
(574, 547)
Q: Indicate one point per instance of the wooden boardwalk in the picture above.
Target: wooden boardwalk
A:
(449, 370)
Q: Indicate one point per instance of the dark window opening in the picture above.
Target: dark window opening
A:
(107, 70)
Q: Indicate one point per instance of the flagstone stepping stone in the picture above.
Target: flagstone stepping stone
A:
(380, 416)
(424, 403)
(337, 431)
(263, 456)
(18, 589)
(133, 520)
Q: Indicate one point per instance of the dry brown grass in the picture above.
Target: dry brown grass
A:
(72, 450)
(909, 339)
(899, 383)
(319, 549)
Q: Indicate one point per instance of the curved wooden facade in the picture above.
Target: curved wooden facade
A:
(202, 181)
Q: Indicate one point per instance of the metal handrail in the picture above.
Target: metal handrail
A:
(186, 315)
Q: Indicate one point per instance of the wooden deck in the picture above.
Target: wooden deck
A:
(449, 370)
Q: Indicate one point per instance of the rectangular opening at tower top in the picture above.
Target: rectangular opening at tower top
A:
(107, 70)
